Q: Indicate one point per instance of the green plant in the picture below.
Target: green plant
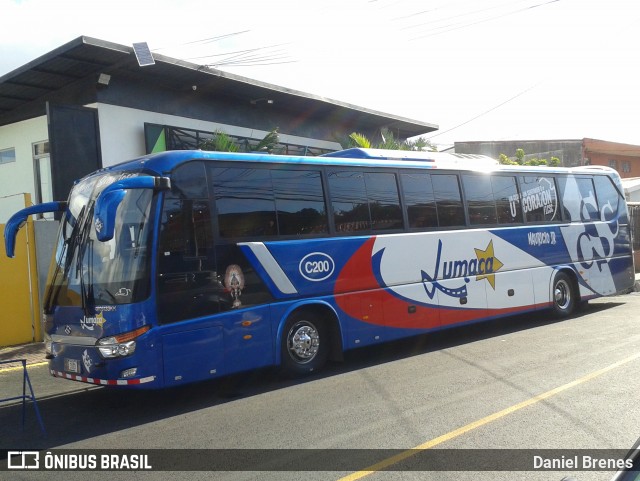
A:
(220, 142)
(269, 143)
(388, 142)
(532, 162)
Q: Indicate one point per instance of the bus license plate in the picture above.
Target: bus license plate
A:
(72, 365)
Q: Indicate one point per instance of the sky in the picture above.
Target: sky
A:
(479, 69)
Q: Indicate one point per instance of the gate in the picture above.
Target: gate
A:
(19, 299)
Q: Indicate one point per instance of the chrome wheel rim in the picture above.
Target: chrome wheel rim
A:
(303, 342)
(562, 295)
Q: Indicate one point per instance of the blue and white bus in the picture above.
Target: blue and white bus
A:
(188, 265)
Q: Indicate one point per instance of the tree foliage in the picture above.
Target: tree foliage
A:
(270, 142)
(389, 142)
(359, 140)
(519, 159)
(222, 142)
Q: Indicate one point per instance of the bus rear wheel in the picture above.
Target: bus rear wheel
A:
(563, 295)
(305, 343)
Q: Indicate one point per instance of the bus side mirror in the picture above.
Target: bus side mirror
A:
(18, 219)
(109, 199)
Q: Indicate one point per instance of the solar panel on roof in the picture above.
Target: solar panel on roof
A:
(143, 54)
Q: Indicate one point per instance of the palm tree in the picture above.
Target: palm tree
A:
(222, 142)
(390, 142)
(269, 143)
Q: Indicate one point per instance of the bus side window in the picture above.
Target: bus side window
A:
(349, 201)
(505, 193)
(578, 199)
(448, 200)
(608, 200)
(384, 200)
(244, 202)
(418, 196)
(479, 194)
(539, 199)
(365, 201)
(300, 203)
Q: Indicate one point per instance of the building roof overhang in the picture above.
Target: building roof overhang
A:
(25, 90)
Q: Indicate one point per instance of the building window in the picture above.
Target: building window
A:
(42, 174)
(7, 156)
(626, 166)
(613, 163)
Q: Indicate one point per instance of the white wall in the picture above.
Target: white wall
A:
(122, 132)
(18, 177)
(633, 195)
(121, 139)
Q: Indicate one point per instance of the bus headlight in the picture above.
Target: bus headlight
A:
(121, 345)
(109, 347)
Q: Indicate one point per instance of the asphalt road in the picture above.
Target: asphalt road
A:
(521, 383)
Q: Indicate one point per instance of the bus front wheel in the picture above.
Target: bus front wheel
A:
(305, 343)
(563, 295)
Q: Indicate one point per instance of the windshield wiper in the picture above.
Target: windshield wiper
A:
(66, 253)
(84, 243)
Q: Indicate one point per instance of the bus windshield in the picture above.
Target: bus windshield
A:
(86, 272)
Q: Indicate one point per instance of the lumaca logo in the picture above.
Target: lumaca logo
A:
(89, 323)
(484, 266)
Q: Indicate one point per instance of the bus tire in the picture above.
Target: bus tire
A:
(305, 343)
(563, 295)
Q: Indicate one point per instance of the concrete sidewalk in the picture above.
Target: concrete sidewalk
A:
(33, 353)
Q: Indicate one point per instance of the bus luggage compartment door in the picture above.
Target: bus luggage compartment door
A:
(192, 355)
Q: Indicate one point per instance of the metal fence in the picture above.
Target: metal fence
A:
(634, 221)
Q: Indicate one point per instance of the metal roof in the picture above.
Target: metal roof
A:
(24, 91)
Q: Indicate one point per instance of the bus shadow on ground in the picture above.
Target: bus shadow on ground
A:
(94, 411)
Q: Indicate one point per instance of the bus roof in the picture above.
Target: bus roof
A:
(386, 154)
(164, 162)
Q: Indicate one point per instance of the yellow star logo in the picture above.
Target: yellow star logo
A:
(99, 319)
(487, 265)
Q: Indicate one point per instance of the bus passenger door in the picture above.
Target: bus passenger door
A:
(189, 292)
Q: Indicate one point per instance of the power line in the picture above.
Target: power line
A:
(486, 111)
(455, 26)
(249, 50)
(463, 14)
(203, 40)
(448, 6)
(237, 58)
